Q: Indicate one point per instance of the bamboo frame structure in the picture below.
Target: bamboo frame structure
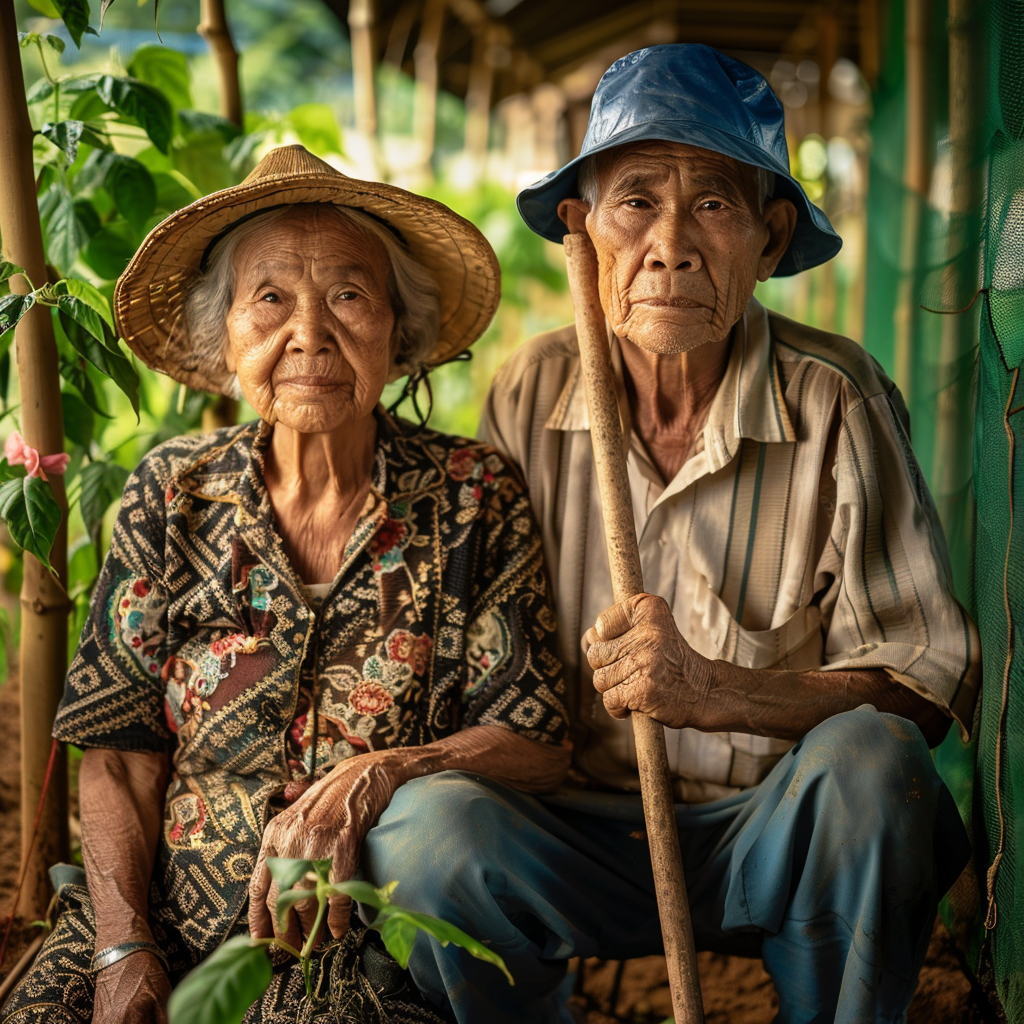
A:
(425, 57)
(44, 600)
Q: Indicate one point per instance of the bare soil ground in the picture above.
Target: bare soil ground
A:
(735, 990)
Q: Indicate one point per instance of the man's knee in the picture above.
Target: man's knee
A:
(437, 830)
(869, 760)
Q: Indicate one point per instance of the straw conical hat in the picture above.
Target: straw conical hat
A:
(150, 294)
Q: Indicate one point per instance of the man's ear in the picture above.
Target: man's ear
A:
(780, 220)
(573, 213)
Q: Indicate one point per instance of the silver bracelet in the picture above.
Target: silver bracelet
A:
(109, 956)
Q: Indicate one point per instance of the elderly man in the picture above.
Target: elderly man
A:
(800, 641)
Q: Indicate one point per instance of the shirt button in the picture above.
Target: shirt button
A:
(662, 542)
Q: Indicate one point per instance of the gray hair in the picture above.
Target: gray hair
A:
(587, 183)
(411, 288)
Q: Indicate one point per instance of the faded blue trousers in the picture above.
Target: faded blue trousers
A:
(831, 870)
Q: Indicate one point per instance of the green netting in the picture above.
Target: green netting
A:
(945, 314)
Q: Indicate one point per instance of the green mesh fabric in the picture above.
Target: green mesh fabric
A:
(945, 315)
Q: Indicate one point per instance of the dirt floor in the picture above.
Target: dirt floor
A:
(735, 990)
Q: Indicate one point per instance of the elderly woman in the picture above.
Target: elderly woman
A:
(299, 615)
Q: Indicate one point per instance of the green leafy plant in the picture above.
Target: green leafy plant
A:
(230, 980)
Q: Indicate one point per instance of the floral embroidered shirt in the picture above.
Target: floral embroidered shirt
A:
(202, 640)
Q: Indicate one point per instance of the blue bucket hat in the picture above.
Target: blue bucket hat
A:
(689, 93)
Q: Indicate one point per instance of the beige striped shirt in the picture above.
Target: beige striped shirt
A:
(798, 534)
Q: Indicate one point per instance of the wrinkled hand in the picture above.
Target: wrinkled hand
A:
(642, 663)
(330, 819)
(135, 990)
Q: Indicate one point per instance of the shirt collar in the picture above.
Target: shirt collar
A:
(749, 402)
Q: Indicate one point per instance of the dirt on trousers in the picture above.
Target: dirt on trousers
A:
(735, 990)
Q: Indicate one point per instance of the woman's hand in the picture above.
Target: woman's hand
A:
(135, 990)
(329, 820)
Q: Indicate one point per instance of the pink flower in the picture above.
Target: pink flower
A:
(18, 453)
(370, 698)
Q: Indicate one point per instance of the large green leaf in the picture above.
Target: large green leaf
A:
(102, 484)
(131, 187)
(75, 14)
(164, 69)
(76, 372)
(12, 308)
(45, 7)
(91, 296)
(141, 103)
(445, 933)
(317, 127)
(79, 419)
(111, 248)
(85, 330)
(32, 515)
(223, 986)
(69, 229)
(361, 892)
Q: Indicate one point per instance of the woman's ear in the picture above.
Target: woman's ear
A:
(573, 214)
(229, 355)
(780, 221)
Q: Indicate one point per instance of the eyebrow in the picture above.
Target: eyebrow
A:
(261, 271)
(638, 181)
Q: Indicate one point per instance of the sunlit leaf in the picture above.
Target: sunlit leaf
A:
(317, 127)
(286, 871)
(91, 296)
(223, 986)
(399, 933)
(81, 325)
(361, 892)
(131, 187)
(32, 515)
(12, 308)
(141, 103)
(164, 69)
(65, 135)
(102, 484)
(45, 7)
(75, 14)
(41, 90)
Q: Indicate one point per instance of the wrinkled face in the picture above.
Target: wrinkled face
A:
(681, 243)
(311, 327)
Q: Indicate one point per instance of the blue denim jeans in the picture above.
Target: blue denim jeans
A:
(831, 870)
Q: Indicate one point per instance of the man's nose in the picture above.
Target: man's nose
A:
(672, 246)
(310, 328)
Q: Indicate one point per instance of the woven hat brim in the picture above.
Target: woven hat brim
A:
(150, 294)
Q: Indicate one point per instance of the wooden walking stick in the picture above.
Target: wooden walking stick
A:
(627, 580)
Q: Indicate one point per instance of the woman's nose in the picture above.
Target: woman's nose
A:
(309, 328)
(672, 245)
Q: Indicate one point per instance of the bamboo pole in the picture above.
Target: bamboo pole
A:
(952, 465)
(917, 173)
(425, 57)
(627, 580)
(44, 601)
(478, 96)
(213, 27)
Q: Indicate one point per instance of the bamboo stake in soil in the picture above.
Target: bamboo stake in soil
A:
(627, 580)
(44, 601)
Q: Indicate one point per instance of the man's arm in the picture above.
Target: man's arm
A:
(121, 798)
(642, 663)
(332, 817)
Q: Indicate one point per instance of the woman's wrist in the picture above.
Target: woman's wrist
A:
(110, 955)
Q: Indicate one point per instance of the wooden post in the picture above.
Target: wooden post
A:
(952, 465)
(478, 96)
(917, 175)
(44, 601)
(425, 57)
(213, 27)
(627, 580)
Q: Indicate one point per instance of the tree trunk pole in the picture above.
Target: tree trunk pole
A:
(425, 58)
(44, 603)
(478, 97)
(917, 176)
(213, 27)
(627, 580)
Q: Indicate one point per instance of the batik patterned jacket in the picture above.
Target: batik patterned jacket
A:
(199, 641)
